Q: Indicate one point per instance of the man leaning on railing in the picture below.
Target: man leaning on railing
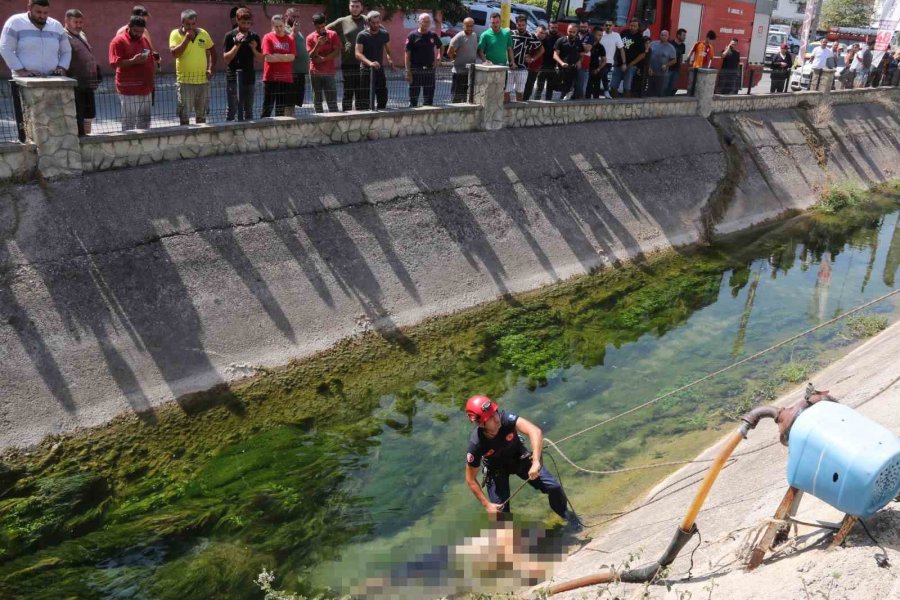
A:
(33, 44)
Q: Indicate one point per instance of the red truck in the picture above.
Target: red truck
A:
(746, 20)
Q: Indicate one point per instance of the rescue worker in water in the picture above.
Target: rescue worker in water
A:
(495, 444)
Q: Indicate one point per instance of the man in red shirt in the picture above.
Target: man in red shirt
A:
(129, 54)
(278, 50)
(323, 46)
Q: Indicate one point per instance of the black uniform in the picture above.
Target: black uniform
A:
(505, 455)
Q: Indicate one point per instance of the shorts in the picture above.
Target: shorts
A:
(85, 105)
(515, 80)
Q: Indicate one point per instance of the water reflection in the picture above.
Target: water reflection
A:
(352, 475)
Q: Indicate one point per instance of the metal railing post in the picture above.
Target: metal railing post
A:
(470, 92)
(17, 109)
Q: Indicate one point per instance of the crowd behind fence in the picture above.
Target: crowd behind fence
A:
(164, 101)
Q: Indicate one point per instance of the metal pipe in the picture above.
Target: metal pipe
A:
(752, 418)
(688, 525)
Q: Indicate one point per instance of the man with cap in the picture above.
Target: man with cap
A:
(496, 445)
(781, 70)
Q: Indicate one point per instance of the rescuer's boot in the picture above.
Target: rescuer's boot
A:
(573, 522)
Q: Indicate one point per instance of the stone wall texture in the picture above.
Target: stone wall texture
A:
(17, 161)
(48, 107)
(131, 149)
(537, 113)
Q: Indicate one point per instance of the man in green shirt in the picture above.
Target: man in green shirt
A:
(348, 29)
(495, 47)
(195, 63)
(301, 59)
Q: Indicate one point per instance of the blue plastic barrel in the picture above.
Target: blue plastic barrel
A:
(839, 456)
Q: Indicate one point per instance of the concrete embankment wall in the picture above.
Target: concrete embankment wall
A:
(121, 290)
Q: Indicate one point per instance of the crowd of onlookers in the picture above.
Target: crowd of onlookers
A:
(854, 66)
(572, 61)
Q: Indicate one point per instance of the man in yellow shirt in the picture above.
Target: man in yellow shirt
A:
(195, 63)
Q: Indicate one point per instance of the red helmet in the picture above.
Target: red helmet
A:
(480, 409)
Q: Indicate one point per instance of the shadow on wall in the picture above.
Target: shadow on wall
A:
(125, 256)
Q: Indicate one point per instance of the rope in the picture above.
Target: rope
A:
(617, 515)
(731, 366)
(670, 463)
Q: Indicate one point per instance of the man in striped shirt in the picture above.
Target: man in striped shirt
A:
(33, 44)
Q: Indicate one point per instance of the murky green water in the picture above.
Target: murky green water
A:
(336, 468)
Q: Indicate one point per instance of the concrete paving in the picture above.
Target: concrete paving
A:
(745, 495)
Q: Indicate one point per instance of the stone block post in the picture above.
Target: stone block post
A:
(704, 88)
(490, 81)
(825, 82)
(48, 108)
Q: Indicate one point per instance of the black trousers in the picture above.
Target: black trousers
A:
(239, 97)
(298, 89)
(277, 95)
(529, 85)
(729, 81)
(459, 87)
(546, 77)
(595, 85)
(498, 486)
(352, 86)
(779, 84)
(422, 81)
(366, 78)
(566, 79)
(85, 107)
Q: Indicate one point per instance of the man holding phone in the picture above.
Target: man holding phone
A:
(129, 55)
(242, 49)
(195, 63)
(323, 46)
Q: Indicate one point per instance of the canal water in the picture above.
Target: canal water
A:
(340, 468)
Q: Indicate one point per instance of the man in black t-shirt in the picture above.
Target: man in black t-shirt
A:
(729, 81)
(423, 49)
(495, 445)
(371, 50)
(680, 51)
(567, 56)
(635, 46)
(242, 48)
(547, 74)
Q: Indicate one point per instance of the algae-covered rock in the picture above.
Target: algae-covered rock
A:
(55, 508)
(216, 570)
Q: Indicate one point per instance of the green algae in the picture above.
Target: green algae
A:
(291, 468)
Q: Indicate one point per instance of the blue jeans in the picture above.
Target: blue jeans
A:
(617, 77)
(498, 486)
(671, 80)
(581, 81)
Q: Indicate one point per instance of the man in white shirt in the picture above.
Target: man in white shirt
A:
(33, 44)
(612, 43)
(820, 56)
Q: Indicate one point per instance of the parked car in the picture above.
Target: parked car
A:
(801, 76)
(776, 39)
(481, 14)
